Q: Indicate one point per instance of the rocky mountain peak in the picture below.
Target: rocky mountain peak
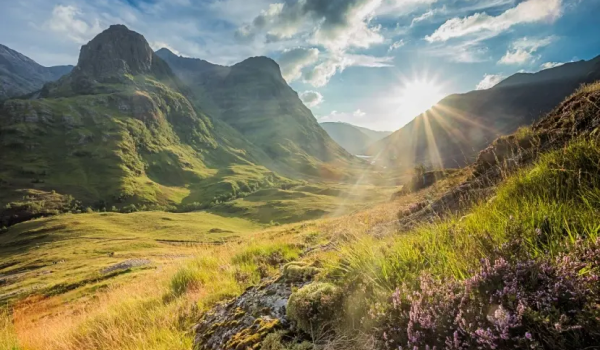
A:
(260, 65)
(115, 52)
(164, 52)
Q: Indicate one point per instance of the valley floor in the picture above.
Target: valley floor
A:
(62, 277)
(502, 255)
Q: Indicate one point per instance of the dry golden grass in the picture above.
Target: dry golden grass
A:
(156, 309)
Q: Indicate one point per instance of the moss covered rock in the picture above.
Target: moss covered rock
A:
(299, 272)
(315, 307)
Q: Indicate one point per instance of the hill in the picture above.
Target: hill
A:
(20, 75)
(120, 131)
(507, 246)
(354, 139)
(452, 132)
(254, 99)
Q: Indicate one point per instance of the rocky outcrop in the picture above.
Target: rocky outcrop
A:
(115, 52)
(115, 56)
(244, 322)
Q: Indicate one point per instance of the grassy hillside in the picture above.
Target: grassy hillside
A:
(254, 99)
(121, 139)
(354, 139)
(452, 132)
(503, 254)
(153, 305)
(525, 246)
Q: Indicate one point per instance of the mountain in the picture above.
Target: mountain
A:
(20, 75)
(254, 99)
(453, 131)
(354, 139)
(119, 131)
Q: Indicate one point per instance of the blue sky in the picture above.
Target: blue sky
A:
(374, 63)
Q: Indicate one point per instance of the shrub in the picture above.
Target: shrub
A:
(183, 280)
(524, 304)
(315, 307)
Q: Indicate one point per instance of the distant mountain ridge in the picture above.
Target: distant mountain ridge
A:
(20, 75)
(452, 132)
(254, 99)
(354, 139)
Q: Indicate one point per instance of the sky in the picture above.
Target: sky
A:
(373, 63)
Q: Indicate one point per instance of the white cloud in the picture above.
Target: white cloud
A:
(401, 7)
(489, 81)
(529, 11)
(321, 74)
(293, 61)
(471, 51)
(68, 20)
(359, 113)
(311, 98)
(369, 61)
(336, 25)
(422, 17)
(518, 56)
(396, 45)
(549, 65)
(523, 50)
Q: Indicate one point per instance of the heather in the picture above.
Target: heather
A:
(519, 270)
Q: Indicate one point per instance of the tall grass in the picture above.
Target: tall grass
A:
(158, 311)
(8, 335)
(553, 202)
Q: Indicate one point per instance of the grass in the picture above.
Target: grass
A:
(154, 311)
(560, 193)
(154, 308)
(549, 208)
(70, 251)
(306, 202)
(538, 212)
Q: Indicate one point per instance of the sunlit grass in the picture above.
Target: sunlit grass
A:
(558, 197)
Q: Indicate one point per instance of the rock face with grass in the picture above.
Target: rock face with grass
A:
(254, 99)
(20, 75)
(120, 130)
(114, 53)
(246, 321)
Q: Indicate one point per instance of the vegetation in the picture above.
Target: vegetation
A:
(515, 265)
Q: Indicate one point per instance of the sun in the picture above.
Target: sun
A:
(417, 96)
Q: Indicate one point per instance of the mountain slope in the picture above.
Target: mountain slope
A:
(20, 75)
(353, 138)
(458, 127)
(118, 130)
(254, 99)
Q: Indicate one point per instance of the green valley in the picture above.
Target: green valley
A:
(154, 201)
